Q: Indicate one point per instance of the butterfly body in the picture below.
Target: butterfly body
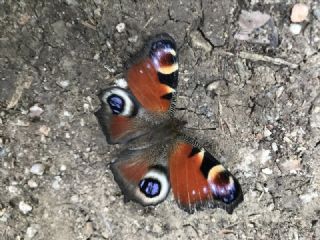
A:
(158, 155)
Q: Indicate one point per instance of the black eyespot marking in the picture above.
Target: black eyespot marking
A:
(150, 187)
(116, 104)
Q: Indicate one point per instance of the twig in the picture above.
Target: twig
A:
(86, 24)
(257, 57)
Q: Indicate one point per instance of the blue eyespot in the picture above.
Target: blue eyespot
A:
(226, 193)
(150, 187)
(116, 103)
(163, 45)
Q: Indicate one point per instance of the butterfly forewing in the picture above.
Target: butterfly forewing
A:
(153, 78)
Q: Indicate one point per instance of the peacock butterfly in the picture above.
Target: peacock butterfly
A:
(158, 155)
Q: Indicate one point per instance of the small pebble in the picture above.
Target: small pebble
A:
(198, 41)
(133, 39)
(63, 167)
(156, 228)
(72, 2)
(67, 114)
(295, 28)
(35, 111)
(37, 169)
(316, 13)
(96, 56)
(97, 12)
(121, 82)
(266, 132)
(292, 165)
(88, 229)
(299, 13)
(267, 171)
(14, 190)
(74, 199)
(31, 231)
(213, 86)
(56, 182)
(121, 27)
(63, 83)
(308, 197)
(274, 147)
(3, 151)
(24, 207)
(32, 184)
(44, 130)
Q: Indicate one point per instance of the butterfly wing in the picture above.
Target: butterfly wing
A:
(119, 116)
(198, 179)
(152, 79)
(141, 175)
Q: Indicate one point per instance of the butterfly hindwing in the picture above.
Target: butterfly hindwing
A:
(153, 77)
(198, 179)
(141, 176)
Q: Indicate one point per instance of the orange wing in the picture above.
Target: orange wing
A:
(198, 179)
(153, 78)
(140, 175)
(118, 116)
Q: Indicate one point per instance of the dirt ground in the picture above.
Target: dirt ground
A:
(262, 98)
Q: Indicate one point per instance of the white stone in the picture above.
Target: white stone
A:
(63, 83)
(266, 132)
(14, 190)
(31, 231)
(96, 56)
(56, 182)
(308, 197)
(295, 28)
(267, 171)
(44, 130)
(24, 207)
(299, 13)
(133, 39)
(37, 169)
(32, 184)
(74, 199)
(63, 167)
(213, 86)
(274, 147)
(121, 82)
(121, 27)
(35, 111)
